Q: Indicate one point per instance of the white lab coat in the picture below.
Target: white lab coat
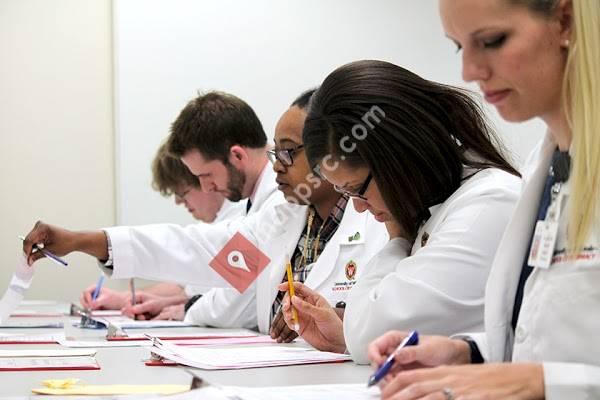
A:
(181, 254)
(328, 275)
(435, 285)
(228, 210)
(558, 323)
(152, 251)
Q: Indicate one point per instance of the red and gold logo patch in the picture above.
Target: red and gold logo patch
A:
(351, 270)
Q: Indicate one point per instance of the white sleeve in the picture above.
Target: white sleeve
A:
(168, 252)
(571, 381)
(440, 288)
(225, 308)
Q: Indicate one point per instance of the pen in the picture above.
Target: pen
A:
(132, 289)
(97, 289)
(48, 254)
(290, 277)
(411, 340)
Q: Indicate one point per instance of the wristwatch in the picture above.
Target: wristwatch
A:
(476, 357)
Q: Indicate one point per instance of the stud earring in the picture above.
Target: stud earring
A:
(566, 43)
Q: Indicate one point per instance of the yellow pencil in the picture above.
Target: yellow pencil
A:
(290, 277)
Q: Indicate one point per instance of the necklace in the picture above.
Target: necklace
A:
(315, 244)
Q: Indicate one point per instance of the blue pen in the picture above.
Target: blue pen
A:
(98, 287)
(48, 254)
(411, 340)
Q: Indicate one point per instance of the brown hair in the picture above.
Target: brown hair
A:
(212, 123)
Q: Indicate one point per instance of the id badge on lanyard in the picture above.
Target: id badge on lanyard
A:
(546, 231)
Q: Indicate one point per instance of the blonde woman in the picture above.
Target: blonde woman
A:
(531, 58)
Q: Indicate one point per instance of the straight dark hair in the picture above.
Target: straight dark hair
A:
(212, 123)
(415, 136)
(302, 101)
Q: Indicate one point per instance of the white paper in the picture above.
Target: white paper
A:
(47, 362)
(104, 343)
(20, 282)
(211, 334)
(28, 338)
(30, 323)
(311, 392)
(46, 353)
(305, 392)
(244, 357)
(123, 322)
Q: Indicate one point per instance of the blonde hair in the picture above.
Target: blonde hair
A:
(170, 173)
(582, 88)
(581, 100)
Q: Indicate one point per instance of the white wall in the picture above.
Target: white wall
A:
(56, 130)
(265, 51)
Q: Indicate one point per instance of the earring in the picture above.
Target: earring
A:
(566, 43)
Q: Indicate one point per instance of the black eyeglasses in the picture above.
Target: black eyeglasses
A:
(285, 156)
(360, 193)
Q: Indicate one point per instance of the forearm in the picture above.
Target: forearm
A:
(166, 289)
(93, 243)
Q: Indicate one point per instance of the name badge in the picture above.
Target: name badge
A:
(546, 232)
(542, 245)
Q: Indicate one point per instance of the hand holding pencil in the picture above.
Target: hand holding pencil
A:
(290, 276)
(317, 321)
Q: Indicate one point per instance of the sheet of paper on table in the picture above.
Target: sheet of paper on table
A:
(213, 358)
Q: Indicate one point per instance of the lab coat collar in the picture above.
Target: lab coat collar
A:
(352, 231)
(264, 187)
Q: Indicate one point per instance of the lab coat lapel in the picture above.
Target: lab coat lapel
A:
(350, 232)
(281, 242)
(264, 189)
(504, 277)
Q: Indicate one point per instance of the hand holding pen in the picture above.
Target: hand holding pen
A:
(411, 340)
(60, 242)
(39, 248)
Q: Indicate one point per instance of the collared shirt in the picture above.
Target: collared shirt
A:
(324, 230)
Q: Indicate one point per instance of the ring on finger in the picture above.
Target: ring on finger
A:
(448, 393)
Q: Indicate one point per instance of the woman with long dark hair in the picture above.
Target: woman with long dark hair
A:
(421, 157)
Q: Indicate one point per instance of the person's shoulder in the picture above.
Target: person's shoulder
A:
(492, 181)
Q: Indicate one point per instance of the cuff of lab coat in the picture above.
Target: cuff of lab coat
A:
(571, 381)
(122, 252)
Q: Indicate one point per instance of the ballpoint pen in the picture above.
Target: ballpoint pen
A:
(48, 253)
(97, 288)
(411, 340)
(132, 290)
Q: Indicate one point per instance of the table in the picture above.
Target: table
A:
(125, 365)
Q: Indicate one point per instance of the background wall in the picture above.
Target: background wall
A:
(266, 52)
(61, 161)
(56, 131)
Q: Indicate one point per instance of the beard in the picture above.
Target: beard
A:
(236, 180)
